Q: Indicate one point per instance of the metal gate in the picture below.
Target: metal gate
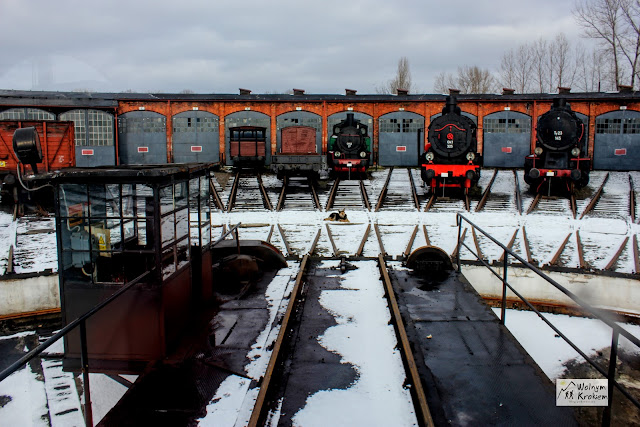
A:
(365, 119)
(507, 139)
(616, 142)
(196, 137)
(142, 138)
(248, 118)
(299, 118)
(401, 139)
(94, 141)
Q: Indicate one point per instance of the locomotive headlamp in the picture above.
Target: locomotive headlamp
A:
(575, 152)
(336, 154)
(363, 154)
(429, 156)
(471, 156)
(537, 151)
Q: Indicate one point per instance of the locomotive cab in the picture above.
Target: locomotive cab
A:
(561, 149)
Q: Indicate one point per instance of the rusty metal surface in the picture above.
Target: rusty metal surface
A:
(298, 140)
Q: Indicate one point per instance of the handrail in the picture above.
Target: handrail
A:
(600, 314)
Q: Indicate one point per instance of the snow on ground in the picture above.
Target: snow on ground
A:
(551, 352)
(365, 339)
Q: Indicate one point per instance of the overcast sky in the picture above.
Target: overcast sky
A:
(218, 46)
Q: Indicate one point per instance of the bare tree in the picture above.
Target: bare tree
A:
(516, 67)
(443, 82)
(601, 20)
(629, 37)
(469, 79)
(402, 80)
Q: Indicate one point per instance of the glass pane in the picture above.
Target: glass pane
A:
(167, 225)
(166, 199)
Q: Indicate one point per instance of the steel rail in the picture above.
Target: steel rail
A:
(233, 193)
(632, 200)
(365, 198)
(216, 196)
(487, 191)
(414, 192)
(595, 198)
(314, 193)
(417, 391)
(265, 196)
(534, 203)
(332, 194)
(383, 193)
(283, 192)
(518, 193)
(260, 408)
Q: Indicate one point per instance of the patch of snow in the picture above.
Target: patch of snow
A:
(365, 339)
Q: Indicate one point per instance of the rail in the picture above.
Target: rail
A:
(602, 315)
(81, 322)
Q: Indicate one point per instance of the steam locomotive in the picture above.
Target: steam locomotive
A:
(450, 158)
(561, 149)
(349, 147)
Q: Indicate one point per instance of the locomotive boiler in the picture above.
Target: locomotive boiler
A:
(561, 149)
(450, 158)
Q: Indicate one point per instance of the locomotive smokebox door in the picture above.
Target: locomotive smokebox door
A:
(430, 263)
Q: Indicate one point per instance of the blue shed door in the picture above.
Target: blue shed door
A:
(196, 137)
(617, 142)
(507, 139)
(142, 138)
(401, 139)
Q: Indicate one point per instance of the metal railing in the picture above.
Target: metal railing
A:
(81, 323)
(602, 315)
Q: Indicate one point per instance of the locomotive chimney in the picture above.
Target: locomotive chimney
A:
(559, 103)
(351, 121)
(451, 106)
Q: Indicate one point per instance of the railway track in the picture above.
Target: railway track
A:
(248, 193)
(394, 195)
(298, 194)
(348, 195)
(310, 359)
(554, 205)
(501, 195)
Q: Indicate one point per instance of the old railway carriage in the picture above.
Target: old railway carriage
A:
(139, 128)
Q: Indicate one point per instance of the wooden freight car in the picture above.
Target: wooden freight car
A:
(58, 151)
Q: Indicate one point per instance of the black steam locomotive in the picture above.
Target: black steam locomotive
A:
(450, 158)
(349, 147)
(561, 149)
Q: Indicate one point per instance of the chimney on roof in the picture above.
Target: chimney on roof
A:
(402, 91)
(508, 91)
(625, 88)
(245, 91)
(563, 90)
(350, 91)
(454, 92)
(298, 91)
